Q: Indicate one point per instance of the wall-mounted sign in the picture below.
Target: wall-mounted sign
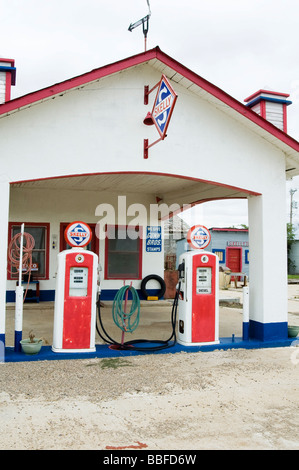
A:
(33, 267)
(231, 243)
(198, 237)
(153, 239)
(78, 234)
(163, 106)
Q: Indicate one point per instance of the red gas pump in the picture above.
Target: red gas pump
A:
(198, 310)
(75, 299)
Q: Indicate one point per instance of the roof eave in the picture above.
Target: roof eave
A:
(138, 59)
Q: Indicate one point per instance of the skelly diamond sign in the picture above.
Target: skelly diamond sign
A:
(163, 106)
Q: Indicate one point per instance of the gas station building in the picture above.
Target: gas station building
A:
(80, 150)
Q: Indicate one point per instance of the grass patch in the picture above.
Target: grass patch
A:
(113, 363)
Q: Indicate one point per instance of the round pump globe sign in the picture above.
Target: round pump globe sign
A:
(78, 234)
(198, 237)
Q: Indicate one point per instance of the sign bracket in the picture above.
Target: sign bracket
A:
(147, 92)
(162, 110)
(146, 146)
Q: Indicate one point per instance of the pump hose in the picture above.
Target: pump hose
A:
(127, 322)
(133, 345)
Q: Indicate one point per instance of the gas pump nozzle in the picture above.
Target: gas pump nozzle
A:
(181, 269)
(99, 269)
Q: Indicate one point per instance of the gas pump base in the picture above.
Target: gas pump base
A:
(208, 343)
(56, 350)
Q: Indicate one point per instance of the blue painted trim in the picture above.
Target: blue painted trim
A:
(44, 296)
(49, 295)
(10, 296)
(13, 70)
(7, 68)
(103, 350)
(215, 250)
(264, 98)
(245, 336)
(18, 337)
(268, 331)
(2, 338)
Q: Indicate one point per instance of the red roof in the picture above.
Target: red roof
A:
(138, 59)
(228, 229)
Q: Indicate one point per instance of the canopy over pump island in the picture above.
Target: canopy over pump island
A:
(105, 157)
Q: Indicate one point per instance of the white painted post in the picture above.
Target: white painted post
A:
(268, 264)
(245, 313)
(4, 197)
(19, 299)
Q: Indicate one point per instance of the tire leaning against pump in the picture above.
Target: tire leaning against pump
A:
(153, 277)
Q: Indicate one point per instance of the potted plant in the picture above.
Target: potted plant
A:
(293, 331)
(31, 345)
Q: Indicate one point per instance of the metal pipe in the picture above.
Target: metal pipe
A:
(245, 313)
(19, 299)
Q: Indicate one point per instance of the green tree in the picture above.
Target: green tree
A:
(290, 241)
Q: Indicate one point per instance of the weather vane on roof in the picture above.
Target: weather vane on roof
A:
(145, 24)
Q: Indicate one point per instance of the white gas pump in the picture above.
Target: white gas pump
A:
(75, 299)
(198, 309)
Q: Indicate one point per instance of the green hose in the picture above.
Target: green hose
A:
(126, 321)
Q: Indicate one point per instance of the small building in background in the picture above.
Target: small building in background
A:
(175, 229)
(231, 246)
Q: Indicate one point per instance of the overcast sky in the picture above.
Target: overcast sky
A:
(239, 45)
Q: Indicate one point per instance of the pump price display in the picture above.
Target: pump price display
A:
(203, 280)
(78, 282)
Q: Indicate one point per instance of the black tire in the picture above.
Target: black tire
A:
(154, 277)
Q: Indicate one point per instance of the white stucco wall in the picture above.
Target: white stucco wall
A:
(99, 128)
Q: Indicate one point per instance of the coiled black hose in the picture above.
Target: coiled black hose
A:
(133, 344)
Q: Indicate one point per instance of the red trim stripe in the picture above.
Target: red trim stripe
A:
(285, 118)
(7, 86)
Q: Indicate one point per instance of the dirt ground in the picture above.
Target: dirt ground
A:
(235, 399)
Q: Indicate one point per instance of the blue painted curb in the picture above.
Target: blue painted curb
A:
(103, 351)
